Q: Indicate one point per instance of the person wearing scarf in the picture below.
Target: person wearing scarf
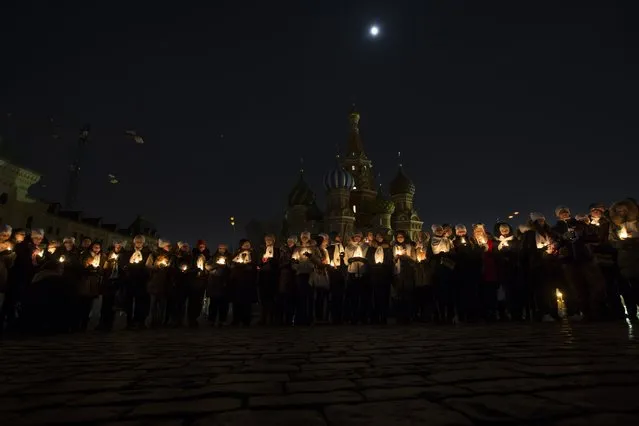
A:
(506, 249)
(244, 283)
(441, 252)
(358, 277)
(380, 259)
(404, 258)
(136, 275)
(268, 278)
(541, 268)
(337, 277)
(304, 259)
(112, 283)
(467, 275)
(624, 236)
(160, 265)
(217, 289)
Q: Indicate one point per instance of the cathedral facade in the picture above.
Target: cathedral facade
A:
(354, 202)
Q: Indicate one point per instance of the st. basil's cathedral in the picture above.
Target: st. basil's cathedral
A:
(353, 200)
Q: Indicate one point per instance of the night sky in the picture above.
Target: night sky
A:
(495, 106)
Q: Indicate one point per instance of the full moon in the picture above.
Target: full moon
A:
(374, 31)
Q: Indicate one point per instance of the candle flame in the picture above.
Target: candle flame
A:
(200, 263)
(623, 232)
(221, 261)
(61, 259)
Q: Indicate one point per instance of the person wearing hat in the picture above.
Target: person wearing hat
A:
(305, 257)
(90, 287)
(337, 277)
(268, 278)
(380, 259)
(161, 264)
(466, 275)
(217, 289)
(404, 261)
(506, 249)
(197, 286)
(137, 299)
(440, 251)
(624, 236)
(285, 302)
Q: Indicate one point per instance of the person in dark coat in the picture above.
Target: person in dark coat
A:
(506, 249)
(441, 252)
(285, 300)
(624, 235)
(7, 259)
(161, 266)
(380, 259)
(217, 289)
(320, 279)
(180, 282)
(90, 285)
(467, 275)
(337, 278)
(137, 298)
(243, 283)
(268, 278)
(197, 286)
(113, 281)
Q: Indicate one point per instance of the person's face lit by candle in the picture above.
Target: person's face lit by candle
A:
(290, 243)
(504, 230)
(269, 241)
(379, 238)
(19, 237)
(357, 238)
(246, 245)
(400, 238)
(222, 248)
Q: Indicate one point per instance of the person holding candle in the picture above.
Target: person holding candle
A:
(337, 277)
(506, 249)
(488, 285)
(605, 256)
(542, 267)
(624, 236)
(197, 286)
(441, 252)
(467, 275)
(137, 299)
(90, 285)
(285, 299)
(180, 280)
(304, 258)
(424, 306)
(217, 285)
(404, 258)
(244, 283)
(320, 279)
(7, 258)
(358, 279)
(268, 278)
(380, 259)
(160, 265)
(112, 283)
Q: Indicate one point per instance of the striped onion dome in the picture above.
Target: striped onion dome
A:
(338, 178)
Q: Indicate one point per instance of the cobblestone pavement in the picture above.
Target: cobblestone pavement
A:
(518, 374)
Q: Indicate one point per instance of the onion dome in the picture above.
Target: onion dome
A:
(402, 184)
(381, 204)
(338, 178)
(301, 194)
(314, 213)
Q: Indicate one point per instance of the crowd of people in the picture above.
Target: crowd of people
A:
(451, 275)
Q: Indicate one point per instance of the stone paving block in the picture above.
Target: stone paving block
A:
(605, 398)
(199, 406)
(72, 386)
(69, 415)
(605, 419)
(319, 385)
(514, 385)
(325, 375)
(334, 366)
(249, 377)
(396, 413)
(294, 399)
(470, 375)
(270, 368)
(265, 417)
(392, 381)
(500, 408)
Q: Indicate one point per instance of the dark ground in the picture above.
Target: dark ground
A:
(561, 374)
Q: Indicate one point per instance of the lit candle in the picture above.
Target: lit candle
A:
(463, 240)
(136, 257)
(221, 260)
(114, 256)
(332, 264)
(183, 268)
(358, 252)
(95, 262)
(200, 263)
(379, 255)
(61, 259)
(623, 232)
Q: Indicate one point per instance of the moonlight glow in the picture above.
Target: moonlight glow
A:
(374, 31)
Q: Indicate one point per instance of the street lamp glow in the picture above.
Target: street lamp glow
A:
(374, 31)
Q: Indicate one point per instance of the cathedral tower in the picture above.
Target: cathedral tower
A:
(405, 217)
(360, 167)
(300, 201)
(340, 215)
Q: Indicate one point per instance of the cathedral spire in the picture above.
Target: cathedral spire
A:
(354, 147)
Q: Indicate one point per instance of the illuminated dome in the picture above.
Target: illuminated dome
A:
(382, 205)
(338, 178)
(301, 194)
(402, 184)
